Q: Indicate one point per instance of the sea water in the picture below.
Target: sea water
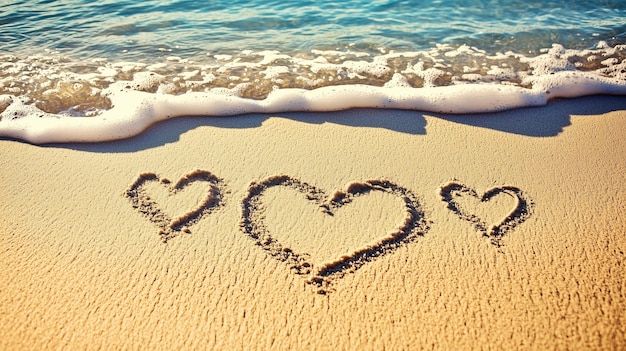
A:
(100, 70)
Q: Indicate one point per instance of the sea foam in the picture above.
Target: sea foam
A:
(52, 100)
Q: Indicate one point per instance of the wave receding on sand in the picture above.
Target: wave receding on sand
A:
(122, 100)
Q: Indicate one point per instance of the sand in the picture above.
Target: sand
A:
(363, 229)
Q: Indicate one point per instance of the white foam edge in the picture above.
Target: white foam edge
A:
(134, 111)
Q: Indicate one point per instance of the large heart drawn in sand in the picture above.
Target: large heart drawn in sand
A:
(253, 224)
(172, 226)
(519, 213)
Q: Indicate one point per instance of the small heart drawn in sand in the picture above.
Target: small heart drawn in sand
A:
(253, 224)
(452, 192)
(172, 226)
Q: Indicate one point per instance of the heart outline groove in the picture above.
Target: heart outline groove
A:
(252, 224)
(172, 227)
(497, 231)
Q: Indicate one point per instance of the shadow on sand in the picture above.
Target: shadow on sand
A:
(544, 121)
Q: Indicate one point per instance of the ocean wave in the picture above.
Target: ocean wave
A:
(53, 98)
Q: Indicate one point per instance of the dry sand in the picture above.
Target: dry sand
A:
(353, 202)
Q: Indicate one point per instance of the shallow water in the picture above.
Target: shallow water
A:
(143, 30)
(76, 58)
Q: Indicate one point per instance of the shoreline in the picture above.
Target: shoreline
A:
(86, 268)
(121, 100)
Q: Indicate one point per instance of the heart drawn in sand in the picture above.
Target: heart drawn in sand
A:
(452, 192)
(172, 226)
(253, 224)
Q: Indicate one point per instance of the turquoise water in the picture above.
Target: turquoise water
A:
(189, 28)
(124, 61)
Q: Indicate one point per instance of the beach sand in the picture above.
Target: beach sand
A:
(363, 229)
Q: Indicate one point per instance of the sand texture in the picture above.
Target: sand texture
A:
(355, 230)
